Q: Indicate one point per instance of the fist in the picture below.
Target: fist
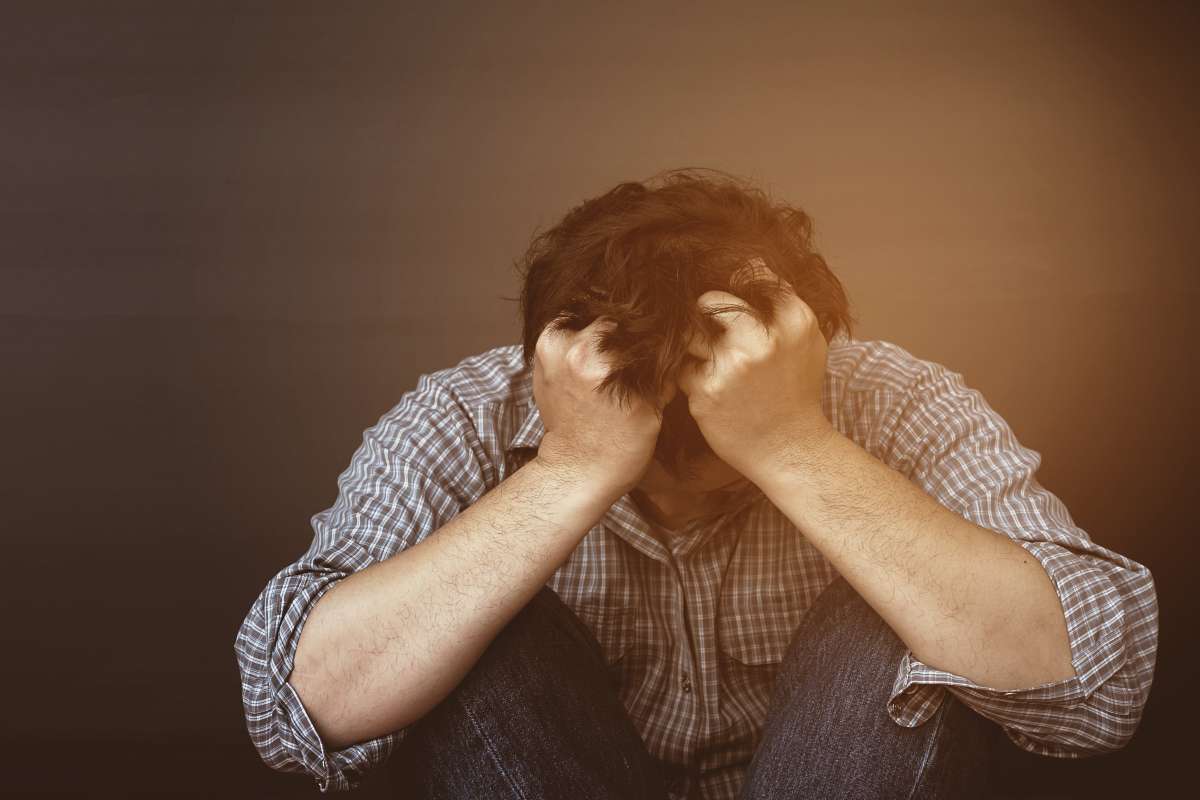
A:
(589, 430)
(755, 391)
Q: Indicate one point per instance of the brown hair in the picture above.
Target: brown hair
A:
(643, 253)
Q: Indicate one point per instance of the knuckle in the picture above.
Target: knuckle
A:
(575, 357)
(582, 362)
(796, 328)
(807, 318)
(547, 343)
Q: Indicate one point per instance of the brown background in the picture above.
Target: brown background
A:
(234, 235)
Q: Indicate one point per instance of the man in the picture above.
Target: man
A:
(692, 540)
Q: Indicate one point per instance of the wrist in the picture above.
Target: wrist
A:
(577, 476)
(801, 447)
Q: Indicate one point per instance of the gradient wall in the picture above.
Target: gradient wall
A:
(234, 234)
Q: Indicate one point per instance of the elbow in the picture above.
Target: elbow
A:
(1117, 733)
(342, 717)
(338, 687)
(1116, 713)
(318, 692)
(1077, 742)
(1105, 723)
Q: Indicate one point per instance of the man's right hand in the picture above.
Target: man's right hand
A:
(588, 430)
(389, 642)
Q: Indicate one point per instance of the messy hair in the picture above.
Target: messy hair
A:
(642, 254)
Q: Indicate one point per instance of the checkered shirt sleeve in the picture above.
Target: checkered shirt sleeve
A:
(388, 500)
(957, 448)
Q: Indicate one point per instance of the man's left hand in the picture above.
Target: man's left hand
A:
(755, 391)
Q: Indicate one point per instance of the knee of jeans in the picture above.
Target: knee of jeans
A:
(841, 640)
(545, 635)
(545, 617)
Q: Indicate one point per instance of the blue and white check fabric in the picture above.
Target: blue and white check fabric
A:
(694, 625)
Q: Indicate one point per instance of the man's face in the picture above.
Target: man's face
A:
(681, 447)
(683, 463)
(704, 474)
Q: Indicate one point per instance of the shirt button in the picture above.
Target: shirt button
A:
(687, 684)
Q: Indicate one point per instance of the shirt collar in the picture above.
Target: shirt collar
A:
(624, 517)
(530, 432)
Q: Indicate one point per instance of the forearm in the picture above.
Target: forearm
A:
(964, 599)
(386, 644)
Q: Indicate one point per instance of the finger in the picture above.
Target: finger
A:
(792, 311)
(742, 330)
(699, 346)
(689, 376)
(581, 351)
(590, 337)
(795, 314)
(667, 394)
(754, 270)
(592, 331)
(550, 343)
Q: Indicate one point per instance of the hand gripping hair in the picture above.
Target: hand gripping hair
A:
(643, 253)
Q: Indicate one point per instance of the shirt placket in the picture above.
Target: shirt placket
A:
(690, 561)
(695, 555)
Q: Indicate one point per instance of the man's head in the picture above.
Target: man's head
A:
(643, 253)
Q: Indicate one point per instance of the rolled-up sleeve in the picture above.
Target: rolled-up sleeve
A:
(956, 447)
(416, 469)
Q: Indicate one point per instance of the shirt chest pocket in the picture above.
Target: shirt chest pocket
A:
(755, 627)
(754, 630)
(613, 627)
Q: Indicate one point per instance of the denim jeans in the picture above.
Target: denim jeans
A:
(539, 717)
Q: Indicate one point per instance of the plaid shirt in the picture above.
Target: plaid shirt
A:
(695, 626)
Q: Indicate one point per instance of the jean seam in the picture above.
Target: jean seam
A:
(487, 743)
(928, 754)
